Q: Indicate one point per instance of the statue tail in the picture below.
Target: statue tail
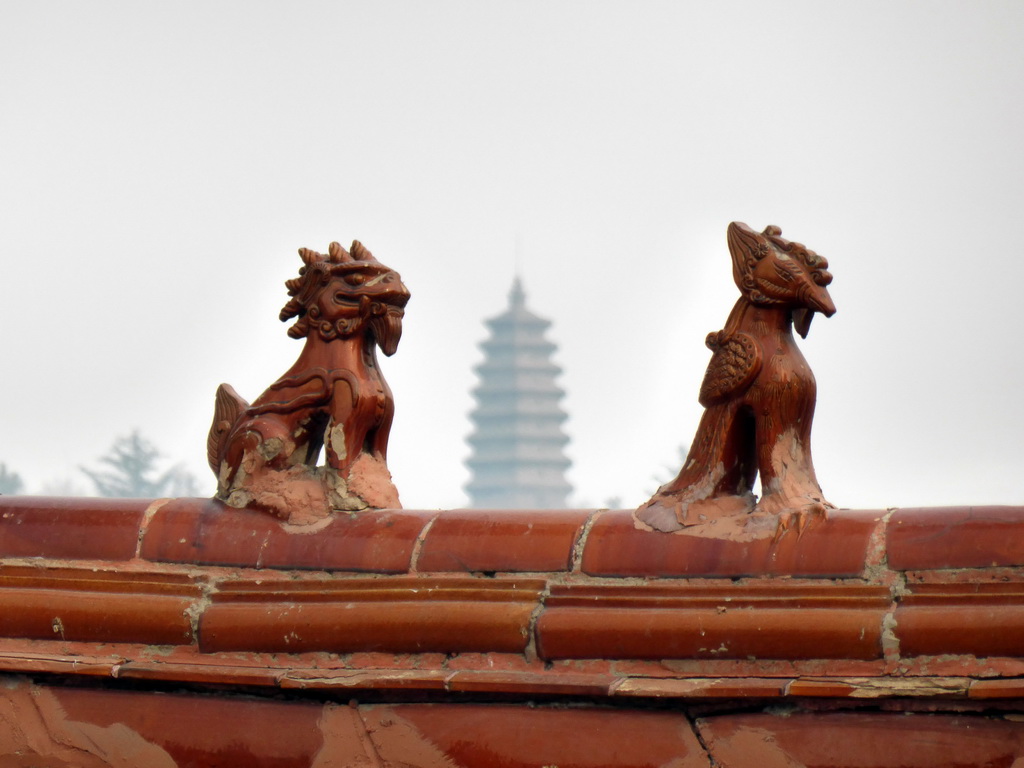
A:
(228, 408)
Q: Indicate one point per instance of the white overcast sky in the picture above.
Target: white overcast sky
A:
(160, 163)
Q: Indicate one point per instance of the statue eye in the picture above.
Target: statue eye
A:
(783, 269)
(355, 278)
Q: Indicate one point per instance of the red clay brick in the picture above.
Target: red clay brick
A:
(94, 617)
(472, 736)
(531, 683)
(365, 679)
(997, 689)
(195, 729)
(976, 619)
(491, 662)
(70, 528)
(80, 604)
(832, 689)
(209, 674)
(776, 621)
(514, 540)
(849, 739)
(206, 532)
(955, 537)
(69, 662)
(837, 547)
(698, 688)
(411, 615)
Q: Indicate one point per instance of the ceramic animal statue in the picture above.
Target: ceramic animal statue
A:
(758, 394)
(333, 398)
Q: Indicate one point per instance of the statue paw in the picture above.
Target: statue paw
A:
(794, 513)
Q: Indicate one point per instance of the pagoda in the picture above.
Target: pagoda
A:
(518, 458)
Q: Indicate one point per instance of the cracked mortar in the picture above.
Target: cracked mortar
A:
(417, 547)
(147, 518)
(576, 561)
(530, 651)
(197, 607)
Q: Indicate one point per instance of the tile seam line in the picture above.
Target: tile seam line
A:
(890, 644)
(147, 517)
(531, 651)
(691, 720)
(421, 540)
(579, 545)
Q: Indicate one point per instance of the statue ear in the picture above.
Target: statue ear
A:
(746, 247)
(360, 252)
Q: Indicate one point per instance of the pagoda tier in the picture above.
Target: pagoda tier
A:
(518, 445)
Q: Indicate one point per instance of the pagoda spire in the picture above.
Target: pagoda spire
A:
(517, 296)
(518, 445)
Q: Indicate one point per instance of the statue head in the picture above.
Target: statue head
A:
(345, 293)
(768, 269)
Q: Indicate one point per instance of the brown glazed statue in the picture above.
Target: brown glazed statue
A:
(333, 398)
(758, 394)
